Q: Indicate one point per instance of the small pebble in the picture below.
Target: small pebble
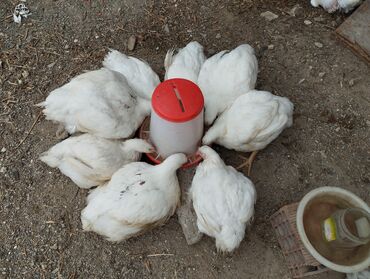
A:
(319, 45)
(211, 51)
(337, 129)
(2, 170)
(3, 150)
(66, 47)
(131, 43)
(75, 40)
(25, 74)
(218, 36)
(269, 15)
(319, 19)
(307, 22)
(96, 37)
(270, 46)
(351, 82)
(51, 65)
(294, 10)
(322, 74)
(166, 28)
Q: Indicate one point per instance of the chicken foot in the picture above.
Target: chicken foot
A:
(248, 162)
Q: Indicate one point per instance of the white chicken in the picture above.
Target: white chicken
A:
(139, 74)
(334, 5)
(224, 77)
(223, 200)
(90, 161)
(253, 121)
(98, 102)
(138, 197)
(186, 63)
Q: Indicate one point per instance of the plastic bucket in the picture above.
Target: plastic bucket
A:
(359, 258)
(176, 123)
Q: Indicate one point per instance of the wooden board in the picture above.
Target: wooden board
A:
(355, 31)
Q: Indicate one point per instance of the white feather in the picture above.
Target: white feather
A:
(98, 102)
(334, 5)
(365, 274)
(252, 122)
(223, 200)
(349, 5)
(138, 197)
(186, 63)
(224, 77)
(139, 74)
(90, 161)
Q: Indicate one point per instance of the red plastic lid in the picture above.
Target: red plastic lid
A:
(177, 100)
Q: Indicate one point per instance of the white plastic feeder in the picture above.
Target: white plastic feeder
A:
(176, 123)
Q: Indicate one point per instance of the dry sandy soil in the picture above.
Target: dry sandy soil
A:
(41, 236)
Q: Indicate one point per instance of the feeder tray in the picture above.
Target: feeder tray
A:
(144, 134)
(299, 260)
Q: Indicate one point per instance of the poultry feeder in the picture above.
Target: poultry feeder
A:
(176, 122)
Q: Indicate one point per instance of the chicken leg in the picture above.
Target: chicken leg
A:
(248, 162)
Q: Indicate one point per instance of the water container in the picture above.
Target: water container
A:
(176, 123)
(348, 227)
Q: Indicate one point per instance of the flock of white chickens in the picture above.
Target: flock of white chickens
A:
(108, 105)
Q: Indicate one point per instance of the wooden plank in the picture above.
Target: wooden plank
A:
(355, 31)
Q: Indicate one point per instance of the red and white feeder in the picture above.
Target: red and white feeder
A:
(176, 122)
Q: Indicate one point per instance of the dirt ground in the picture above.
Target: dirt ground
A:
(41, 236)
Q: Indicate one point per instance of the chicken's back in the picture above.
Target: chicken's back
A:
(225, 76)
(186, 63)
(139, 74)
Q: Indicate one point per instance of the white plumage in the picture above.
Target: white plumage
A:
(98, 102)
(139, 74)
(223, 200)
(138, 197)
(90, 161)
(186, 63)
(224, 77)
(253, 121)
(333, 5)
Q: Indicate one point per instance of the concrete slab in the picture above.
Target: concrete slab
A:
(355, 31)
